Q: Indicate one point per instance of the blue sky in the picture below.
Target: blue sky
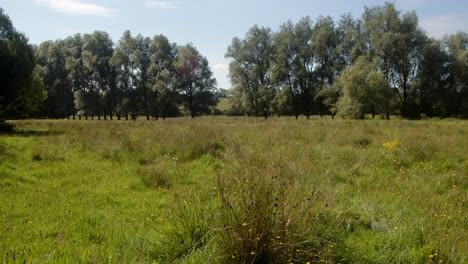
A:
(209, 24)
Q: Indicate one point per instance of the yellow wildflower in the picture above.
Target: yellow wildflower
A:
(392, 144)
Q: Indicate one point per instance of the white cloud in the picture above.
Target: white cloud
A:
(76, 7)
(439, 26)
(161, 4)
(222, 67)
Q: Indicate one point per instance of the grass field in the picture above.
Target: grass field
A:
(234, 190)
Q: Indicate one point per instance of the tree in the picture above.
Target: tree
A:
(329, 95)
(52, 61)
(294, 64)
(195, 81)
(350, 43)
(78, 76)
(399, 43)
(457, 47)
(324, 45)
(435, 96)
(122, 61)
(407, 49)
(21, 90)
(162, 76)
(364, 90)
(250, 69)
(141, 60)
(97, 51)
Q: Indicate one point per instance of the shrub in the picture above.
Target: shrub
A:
(267, 215)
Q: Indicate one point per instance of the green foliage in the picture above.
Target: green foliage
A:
(250, 70)
(292, 68)
(195, 80)
(21, 90)
(302, 64)
(391, 37)
(162, 76)
(364, 90)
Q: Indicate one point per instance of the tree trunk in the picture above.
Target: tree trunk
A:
(146, 106)
(192, 110)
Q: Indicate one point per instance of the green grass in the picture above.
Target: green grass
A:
(234, 190)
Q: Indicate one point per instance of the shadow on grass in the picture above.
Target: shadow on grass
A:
(33, 133)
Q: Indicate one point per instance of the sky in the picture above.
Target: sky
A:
(209, 24)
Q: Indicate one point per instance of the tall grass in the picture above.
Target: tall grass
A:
(234, 190)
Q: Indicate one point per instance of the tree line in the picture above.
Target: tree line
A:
(381, 64)
(87, 76)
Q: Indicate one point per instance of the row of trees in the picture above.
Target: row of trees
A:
(382, 63)
(87, 75)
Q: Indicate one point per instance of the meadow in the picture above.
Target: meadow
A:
(234, 190)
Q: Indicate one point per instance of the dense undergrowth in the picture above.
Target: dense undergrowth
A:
(234, 190)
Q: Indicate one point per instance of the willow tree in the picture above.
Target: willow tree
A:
(294, 64)
(364, 90)
(161, 74)
(195, 80)
(250, 69)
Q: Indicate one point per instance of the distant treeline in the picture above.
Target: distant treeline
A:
(382, 63)
(88, 76)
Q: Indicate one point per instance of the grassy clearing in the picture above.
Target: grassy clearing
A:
(234, 190)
